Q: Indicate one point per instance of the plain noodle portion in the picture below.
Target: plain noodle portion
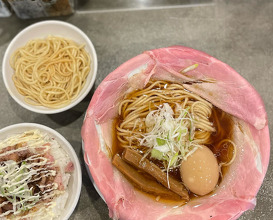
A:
(50, 72)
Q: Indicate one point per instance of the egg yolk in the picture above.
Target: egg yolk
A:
(200, 172)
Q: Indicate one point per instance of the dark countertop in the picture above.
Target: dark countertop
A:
(238, 33)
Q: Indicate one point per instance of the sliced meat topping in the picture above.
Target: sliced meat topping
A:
(137, 160)
(149, 185)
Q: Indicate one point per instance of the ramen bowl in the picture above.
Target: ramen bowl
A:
(42, 30)
(114, 127)
(74, 185)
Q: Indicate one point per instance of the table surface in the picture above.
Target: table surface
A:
(238, 33)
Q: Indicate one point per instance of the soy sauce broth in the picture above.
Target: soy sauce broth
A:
(224, 130)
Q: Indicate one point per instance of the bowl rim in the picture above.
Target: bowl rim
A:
(68, 147)
(79, 98)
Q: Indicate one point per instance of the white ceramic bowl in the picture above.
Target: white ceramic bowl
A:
(42, 30)
(75, 181)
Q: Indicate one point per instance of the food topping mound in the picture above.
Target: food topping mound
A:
(32, 176)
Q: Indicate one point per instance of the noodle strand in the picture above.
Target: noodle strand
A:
(50, 72)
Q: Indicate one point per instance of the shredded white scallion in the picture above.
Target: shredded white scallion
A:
(170, 138)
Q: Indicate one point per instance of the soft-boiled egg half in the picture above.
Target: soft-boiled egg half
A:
(200, 172)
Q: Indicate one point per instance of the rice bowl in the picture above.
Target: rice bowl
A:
(48, 174)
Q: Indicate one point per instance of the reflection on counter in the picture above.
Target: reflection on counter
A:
(26, 9)
(97, 5)
(4, 11)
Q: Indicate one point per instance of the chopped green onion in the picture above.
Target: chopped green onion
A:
(189, 68)
(156, 154)
(174, 159)
(160, 141)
